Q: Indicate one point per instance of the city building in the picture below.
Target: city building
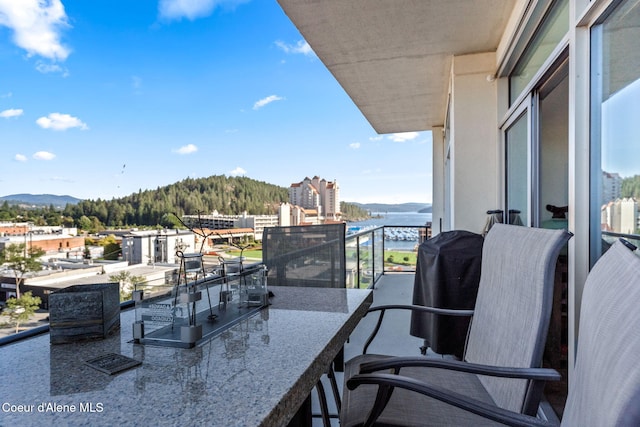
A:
(295, 215)
(318, 194)
(621, 216)
(216, 221)
(611, 186)
(57, 242)
(71, 274)
(156, 247)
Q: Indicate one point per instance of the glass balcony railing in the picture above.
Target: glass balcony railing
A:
(321, 255)
(609, 238)
(385, 249)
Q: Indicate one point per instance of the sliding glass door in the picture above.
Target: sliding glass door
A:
(518, 167)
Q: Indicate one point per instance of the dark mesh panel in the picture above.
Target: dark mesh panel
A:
(312, 255)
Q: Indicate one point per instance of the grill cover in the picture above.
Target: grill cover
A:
(447, 276)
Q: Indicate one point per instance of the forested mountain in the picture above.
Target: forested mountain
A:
(227, 195)
(151, 208)
(398, 207)
(631, 187)
(353, 212)
(40, 199)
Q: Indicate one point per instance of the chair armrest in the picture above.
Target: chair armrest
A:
(537, 374)
(418, 308)
(422, 308)
(389, 382)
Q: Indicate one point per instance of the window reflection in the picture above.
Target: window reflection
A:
(517, 171)
(618, 107)
(553, 29)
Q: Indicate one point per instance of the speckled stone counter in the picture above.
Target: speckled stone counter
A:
(257, 373)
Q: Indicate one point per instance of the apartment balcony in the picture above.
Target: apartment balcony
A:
(170, 374)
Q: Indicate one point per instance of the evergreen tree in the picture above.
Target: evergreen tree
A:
(20, 260)
(22, 308)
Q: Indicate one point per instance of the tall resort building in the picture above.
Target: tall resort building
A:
(528, 103)
(319, 194)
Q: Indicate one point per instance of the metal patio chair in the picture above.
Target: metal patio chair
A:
(605, 386)
(505, 341)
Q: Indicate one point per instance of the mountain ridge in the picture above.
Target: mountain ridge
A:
(40, 199)
(62, 200)
(395, 207)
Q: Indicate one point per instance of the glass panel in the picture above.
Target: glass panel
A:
(180, 314)
(616, 176)
(401, 246)
(311, 255)
(517, 171)
(554, 154)
(365, 244)
(378, 250)
(552, 30)
(351, 253)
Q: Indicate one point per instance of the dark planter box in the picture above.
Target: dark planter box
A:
(84, 312)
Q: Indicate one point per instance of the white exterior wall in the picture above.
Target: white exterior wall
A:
(141, 248)
(438, 191)
(474, 136)
(628, 216)
(284, 212)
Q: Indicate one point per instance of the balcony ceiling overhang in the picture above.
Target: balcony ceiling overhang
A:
(393, 58)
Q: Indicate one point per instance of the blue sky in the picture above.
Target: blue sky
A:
(101, 98)
(620, 130)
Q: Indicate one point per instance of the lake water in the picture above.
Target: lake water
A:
(401, 238)
(394, 218)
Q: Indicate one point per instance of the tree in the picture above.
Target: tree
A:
(112, 251)
(84, 223)
(22, 308)
(128, 283)
(21, 261)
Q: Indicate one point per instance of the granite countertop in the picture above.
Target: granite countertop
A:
(257, 373)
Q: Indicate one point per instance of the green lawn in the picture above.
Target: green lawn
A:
(399, 257)
(249, 253)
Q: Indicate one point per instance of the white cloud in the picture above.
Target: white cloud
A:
(192, 9)
(6, 95)
(403, 137)
(21, 157)
(36, 26)
(376, 138)
(62, 179)
(237, 171)
(51, 68)
(57, 121)
(187, 149)
(268, 100)
(301, 47)
(354, 145)
(44, 155)
(12, 112)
